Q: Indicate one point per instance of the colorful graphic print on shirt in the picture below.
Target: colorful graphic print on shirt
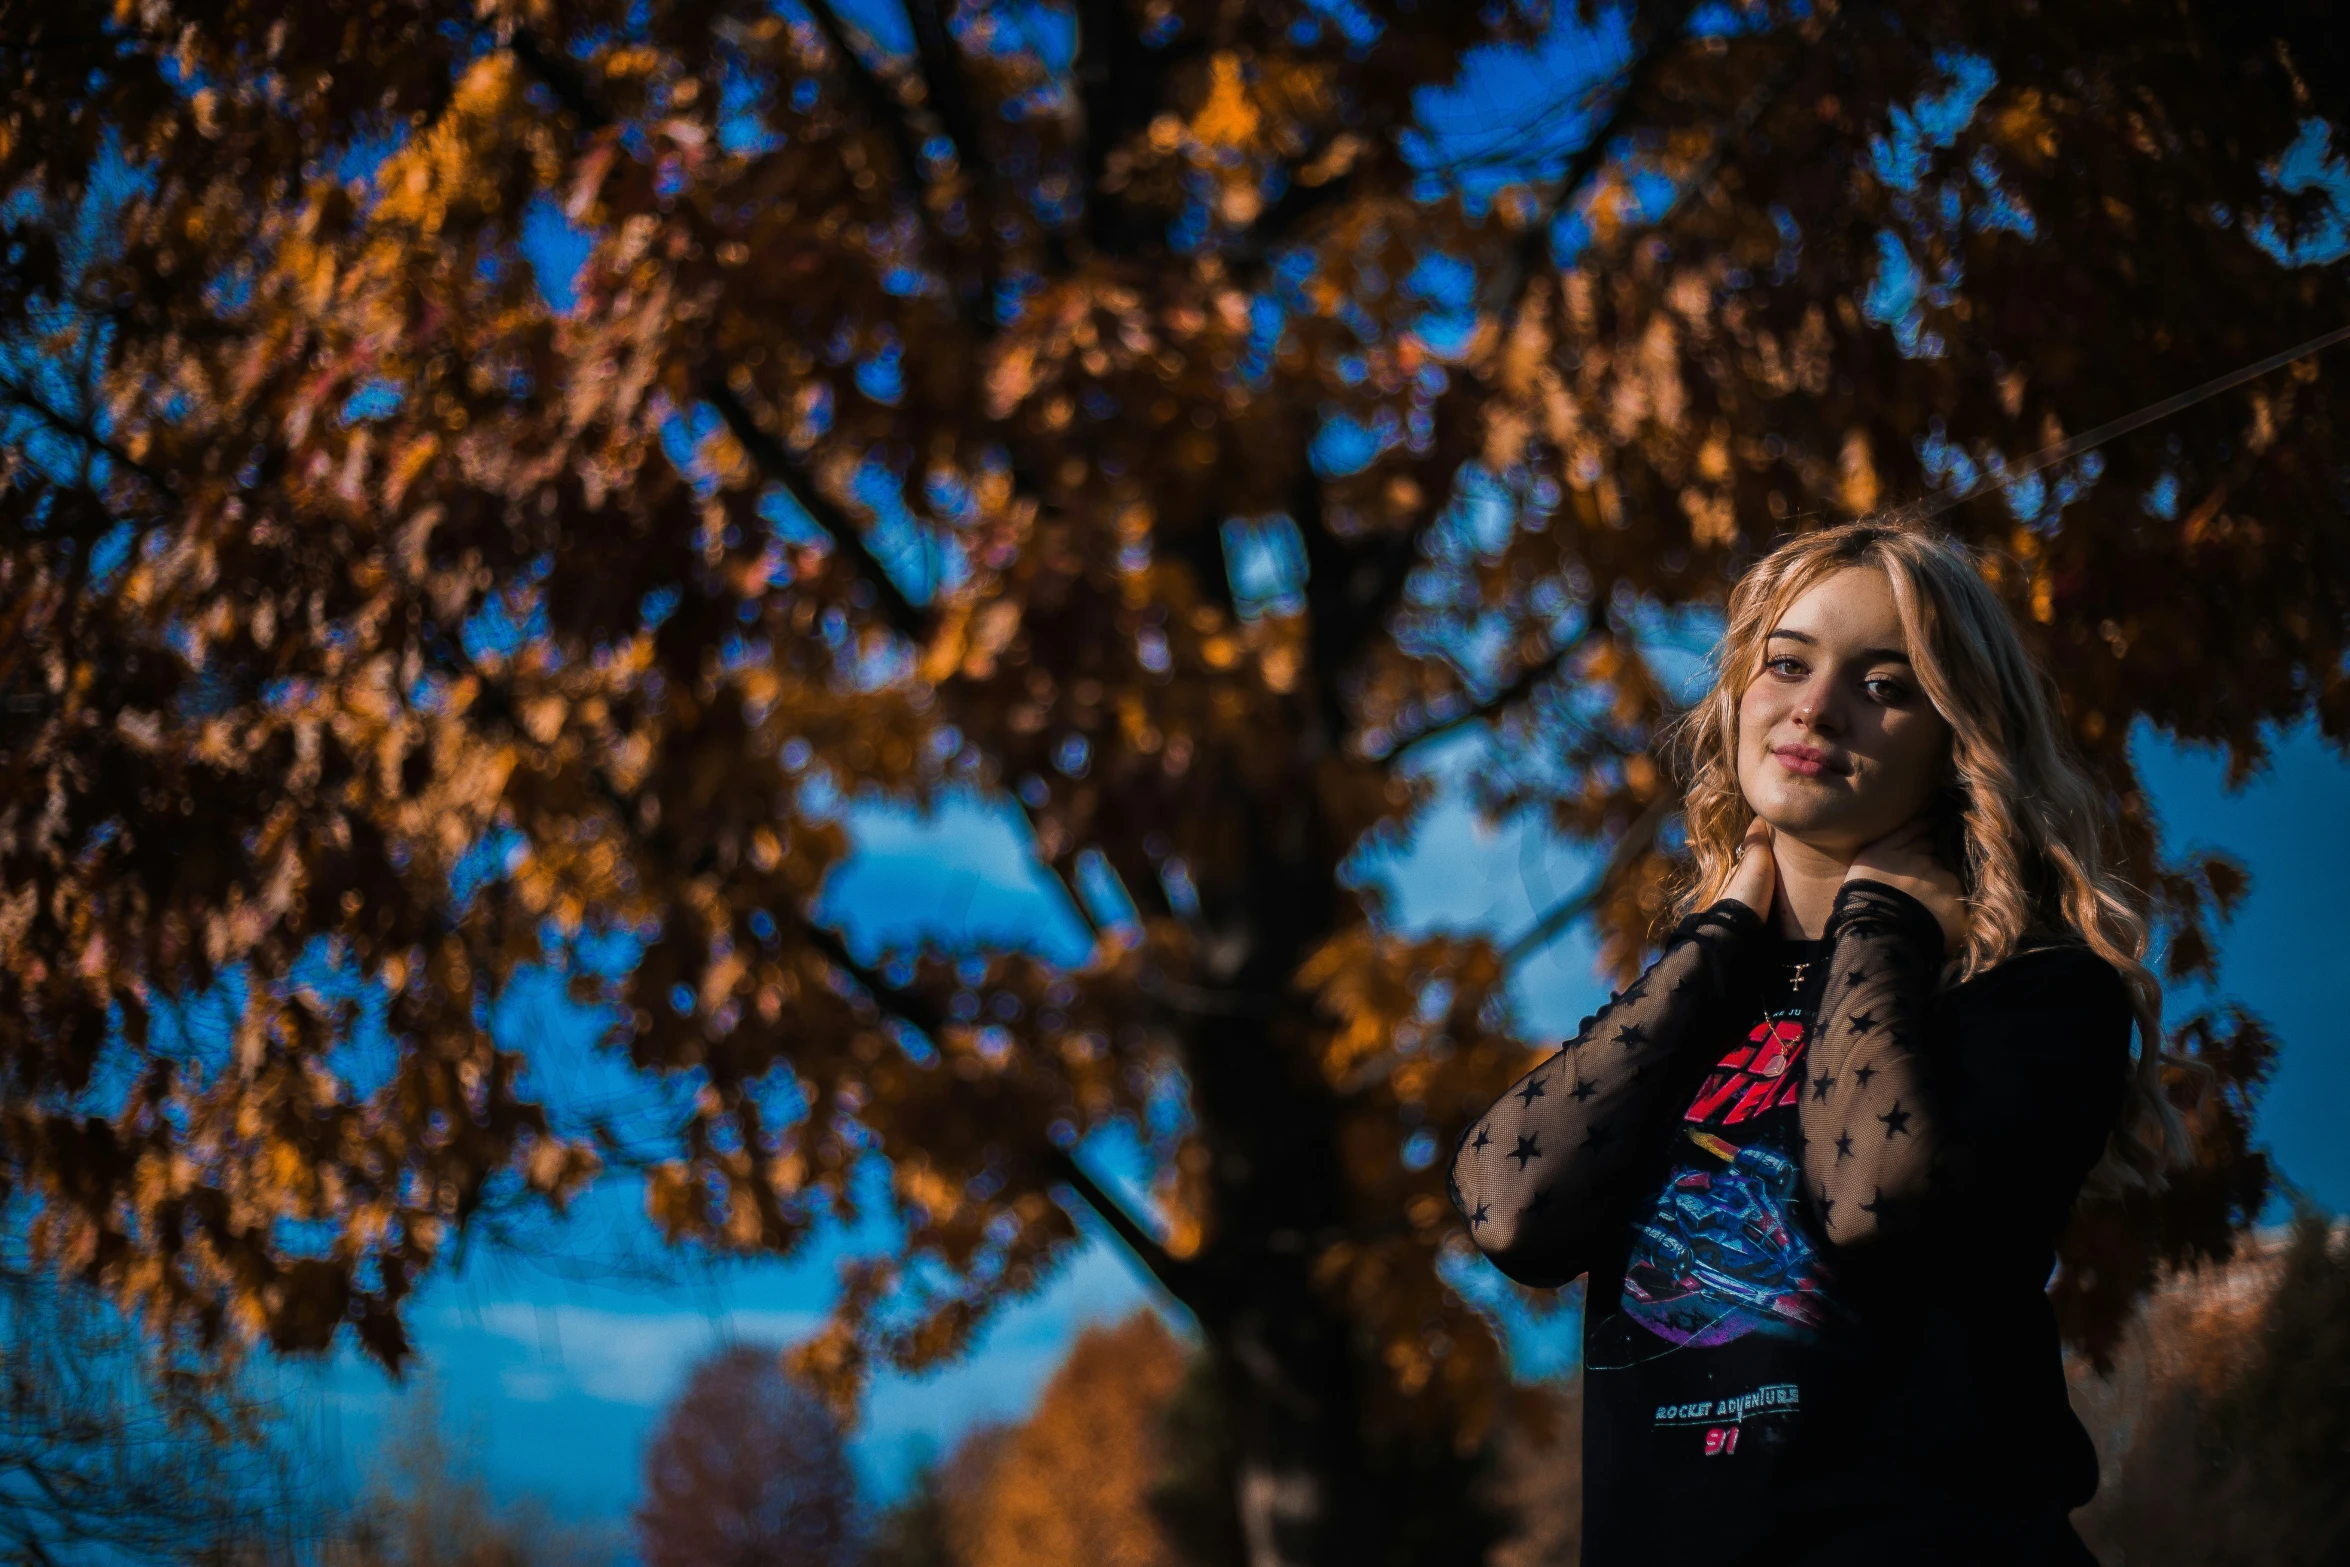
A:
(1721, 1252)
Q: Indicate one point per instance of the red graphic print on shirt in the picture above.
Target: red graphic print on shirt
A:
(1759, 1075)
(1720, 1252)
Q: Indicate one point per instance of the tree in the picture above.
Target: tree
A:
(1192, 1495)
(914, 1530)
(936, 1523)
(426, 1504)
(1121, 1460)
(107, 1449)
(747, 1469)
(1538, 1482)
(1073, 1482)
(2226, 1444)
(1144, 411)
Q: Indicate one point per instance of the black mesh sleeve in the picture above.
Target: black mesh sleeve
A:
(2004, 1089)
(1871, 1138)
(1544, 1173)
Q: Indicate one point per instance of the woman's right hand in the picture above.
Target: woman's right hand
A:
(1756, 879)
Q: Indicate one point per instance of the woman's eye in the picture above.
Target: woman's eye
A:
(1784, 665)
(1886, 689)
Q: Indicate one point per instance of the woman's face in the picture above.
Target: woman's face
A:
(1837, 745)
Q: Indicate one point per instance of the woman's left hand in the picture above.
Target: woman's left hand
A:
(1904, 858)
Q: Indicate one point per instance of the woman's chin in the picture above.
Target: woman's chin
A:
(1829, 837)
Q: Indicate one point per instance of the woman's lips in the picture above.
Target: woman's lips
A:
(1804, 761)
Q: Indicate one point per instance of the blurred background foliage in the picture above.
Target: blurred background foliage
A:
(487, 487)
(2220, 1424)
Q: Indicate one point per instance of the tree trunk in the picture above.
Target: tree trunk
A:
(1309, 1488)
(1283, 1360)
(1298, 1472)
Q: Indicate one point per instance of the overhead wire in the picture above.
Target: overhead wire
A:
(2088, 440)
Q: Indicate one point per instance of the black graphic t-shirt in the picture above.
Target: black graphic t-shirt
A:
(1697, 1367)
(1816, 1194)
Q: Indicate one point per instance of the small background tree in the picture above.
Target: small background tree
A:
(112, 1450)
(747, 1469)
(938, 1520)
(424, 1502)
(2226, 1435)
(1072, 1482)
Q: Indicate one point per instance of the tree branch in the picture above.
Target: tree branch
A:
(1508, 696)
(1363, 585)
(942, 85)
(1186, 1281)
(908, 1006)
(936, 57)
(946, 91)
(1525, 258)
(1196, 1001)
(561, 78)
(1362, 610)
(1634, 843)
(1299, 204)
(1116, 87)
(1291, 211)
(903, 615)
(872, 96)
(571, 90)
(57, 423)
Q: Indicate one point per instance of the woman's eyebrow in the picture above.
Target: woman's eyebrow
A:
(1869, 655)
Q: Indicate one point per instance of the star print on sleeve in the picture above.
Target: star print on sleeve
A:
(1949, 1104)
(1574, 1161)
(1871, 1040)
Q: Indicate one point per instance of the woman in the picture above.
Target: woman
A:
(1816, 1159)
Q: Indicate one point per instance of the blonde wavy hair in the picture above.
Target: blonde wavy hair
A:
(2019, 818)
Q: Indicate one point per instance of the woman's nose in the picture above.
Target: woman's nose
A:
(1818, 710)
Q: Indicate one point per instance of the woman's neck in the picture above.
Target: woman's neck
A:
(1808, 882)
